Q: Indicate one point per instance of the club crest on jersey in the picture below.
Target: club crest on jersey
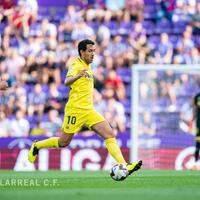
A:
(89, 76)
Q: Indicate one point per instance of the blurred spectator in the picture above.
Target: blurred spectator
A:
(195, 57)
(99, 102)
(99, 78)
(6, 8)
(4, 125)
(37, 130)
(195, 19)
(146, 125)
(37, 101)
(187, 41)
(125, 23)
(144, 92)
(185, 117)
(182, 10)
(31, 7)
(114, 81)
(103, 34)
(20, 98)
(136, 8)
(14, 63)
(109, 62)
(65, 31)
(82, 31)
(115, 114)
(19, 127)
(31, 48)
(138, 31)
(108, 93)
(116, 44)
(49, 33)
(20, 20)
(53, 123)
(54, 97)
(72, 15)
(48, 29)
(141, 49)
(165, 50)
(51, 69)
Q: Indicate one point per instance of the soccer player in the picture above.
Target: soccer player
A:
(196, 118)
(79, 110)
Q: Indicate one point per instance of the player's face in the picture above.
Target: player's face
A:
(88, 54)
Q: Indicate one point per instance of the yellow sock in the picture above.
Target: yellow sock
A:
(50, 142)
(114, 150)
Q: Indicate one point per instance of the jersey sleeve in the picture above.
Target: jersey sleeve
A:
(72, 70)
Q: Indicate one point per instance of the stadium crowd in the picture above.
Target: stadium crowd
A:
(38, 42)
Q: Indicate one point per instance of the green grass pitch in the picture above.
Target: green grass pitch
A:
(89, 185)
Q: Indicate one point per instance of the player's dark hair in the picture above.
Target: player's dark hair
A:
(82, 45)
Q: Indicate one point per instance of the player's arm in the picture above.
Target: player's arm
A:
(71, 79)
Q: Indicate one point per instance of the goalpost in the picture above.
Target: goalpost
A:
(140, 74)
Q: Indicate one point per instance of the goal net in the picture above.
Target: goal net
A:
(162, 134)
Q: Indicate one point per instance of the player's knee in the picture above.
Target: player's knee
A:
(63, 142)
(110, 134)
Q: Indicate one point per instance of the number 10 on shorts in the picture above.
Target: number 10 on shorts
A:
(71, 120)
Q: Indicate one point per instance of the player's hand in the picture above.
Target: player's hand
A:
(3, 85)
(82, 73)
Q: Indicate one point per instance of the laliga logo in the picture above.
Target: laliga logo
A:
(185, 159)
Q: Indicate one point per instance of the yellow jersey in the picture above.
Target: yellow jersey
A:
(81, 91)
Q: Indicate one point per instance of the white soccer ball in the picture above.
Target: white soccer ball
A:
(119, 172)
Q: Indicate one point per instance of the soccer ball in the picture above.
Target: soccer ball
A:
(119, 172)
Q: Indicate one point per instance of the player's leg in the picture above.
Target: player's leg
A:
(97, 122)
(104, 130)
(71, 124)
(53, 142)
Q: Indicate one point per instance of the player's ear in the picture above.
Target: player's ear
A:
(82, 52)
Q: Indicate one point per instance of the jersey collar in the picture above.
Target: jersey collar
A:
(83, 62)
